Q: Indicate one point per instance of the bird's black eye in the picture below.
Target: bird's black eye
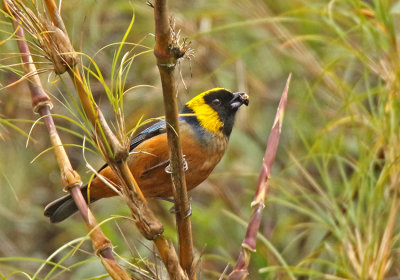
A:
(216, 102)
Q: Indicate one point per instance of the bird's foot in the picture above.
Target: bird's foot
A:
(185, 165)
(173, 209)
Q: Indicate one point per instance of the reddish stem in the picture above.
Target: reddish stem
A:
(240, 271)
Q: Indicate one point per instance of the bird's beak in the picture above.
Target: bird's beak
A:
(239, 98)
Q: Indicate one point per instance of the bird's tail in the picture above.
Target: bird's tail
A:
(62, 208)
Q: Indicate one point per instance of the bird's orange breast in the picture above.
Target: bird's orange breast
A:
(149, 160)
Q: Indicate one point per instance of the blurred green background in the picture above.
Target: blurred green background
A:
(332, 207)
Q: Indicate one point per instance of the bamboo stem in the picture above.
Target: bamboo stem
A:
(55, 16)
(240, 271)
(144, 218)
(146, 222)
(116, 153)
(71, 180)
(166, 61)
(170, 258)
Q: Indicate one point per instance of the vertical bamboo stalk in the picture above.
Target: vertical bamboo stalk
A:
(166, 61)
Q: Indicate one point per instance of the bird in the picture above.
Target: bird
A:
(205, 125)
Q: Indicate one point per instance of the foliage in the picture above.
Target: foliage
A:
(332, 206)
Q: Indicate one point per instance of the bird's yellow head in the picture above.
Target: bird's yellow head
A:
(215, 109)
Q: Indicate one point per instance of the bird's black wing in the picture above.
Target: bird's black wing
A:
(154, 130)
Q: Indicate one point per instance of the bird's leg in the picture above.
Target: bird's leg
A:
(173, 209)
(147, 171)
(185, 165)
(166, 198)
(167, 168)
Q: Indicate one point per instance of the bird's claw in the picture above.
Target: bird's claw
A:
(173, 210)
(185, 165)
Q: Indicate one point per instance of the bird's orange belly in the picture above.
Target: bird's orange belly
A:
(149, 163)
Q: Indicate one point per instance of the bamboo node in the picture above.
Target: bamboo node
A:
(248, 247)
(102, 248)
(42, 104)
(71, 186)
(255, 203)
(169, 66)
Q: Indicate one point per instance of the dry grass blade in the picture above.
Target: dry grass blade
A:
(52, 40)
(249, 243)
